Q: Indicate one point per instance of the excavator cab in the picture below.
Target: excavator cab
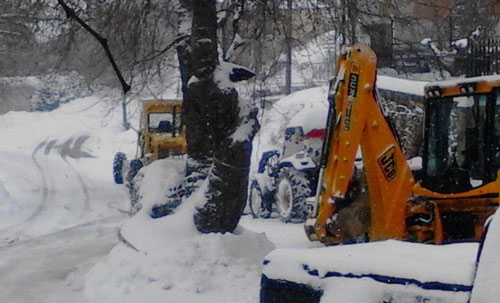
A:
(461, 147)
(460, 160)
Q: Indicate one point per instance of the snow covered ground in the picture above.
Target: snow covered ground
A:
(61, 213)
(62, 217)
(59, 209)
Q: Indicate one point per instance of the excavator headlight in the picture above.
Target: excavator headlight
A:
(467, 88)
(434, 91)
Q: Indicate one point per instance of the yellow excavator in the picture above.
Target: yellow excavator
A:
(448, 199)
(161, 135)
(452, 194)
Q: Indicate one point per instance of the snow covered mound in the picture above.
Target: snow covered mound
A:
(168, 258)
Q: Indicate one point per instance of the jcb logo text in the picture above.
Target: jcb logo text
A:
(387, 162)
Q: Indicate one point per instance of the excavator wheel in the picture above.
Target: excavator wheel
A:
(257, 203)
(118, 162)
(291, 193)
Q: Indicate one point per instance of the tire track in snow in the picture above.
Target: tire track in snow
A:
(12, 233)
(75, 152)
(45, 190)
(66, 150)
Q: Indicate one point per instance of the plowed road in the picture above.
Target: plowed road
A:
(65, 220)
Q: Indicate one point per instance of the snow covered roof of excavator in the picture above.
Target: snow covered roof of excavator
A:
(458, 81)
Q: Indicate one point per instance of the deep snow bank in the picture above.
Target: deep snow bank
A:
(169, 258)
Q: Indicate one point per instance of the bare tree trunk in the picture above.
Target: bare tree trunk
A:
(216, 112)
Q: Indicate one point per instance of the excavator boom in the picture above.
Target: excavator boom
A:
(358, 122)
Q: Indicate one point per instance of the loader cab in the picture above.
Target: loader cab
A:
(161, 131)
(461, 136)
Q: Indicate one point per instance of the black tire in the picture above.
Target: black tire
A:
(118, 161)
(292, 190)
(256, 202)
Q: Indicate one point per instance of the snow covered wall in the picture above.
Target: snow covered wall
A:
(388, 271)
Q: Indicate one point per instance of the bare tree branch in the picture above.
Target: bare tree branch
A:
(71, 14)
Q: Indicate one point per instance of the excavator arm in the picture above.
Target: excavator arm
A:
(356, 121)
